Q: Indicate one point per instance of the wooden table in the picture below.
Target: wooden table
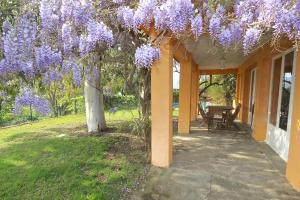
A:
(223, 111)
(216, 109)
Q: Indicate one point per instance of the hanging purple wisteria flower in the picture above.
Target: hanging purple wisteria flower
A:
(175, 14)
(71, 67)
(29, 99)
(146, 55)
(125, 16)
(144, 13)
(196, 25)
(251, 38)
(230, 35)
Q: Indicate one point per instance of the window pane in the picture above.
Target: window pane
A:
(286, 90)
(275, 90)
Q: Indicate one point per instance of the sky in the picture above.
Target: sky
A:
(176, 75)
(175, 80)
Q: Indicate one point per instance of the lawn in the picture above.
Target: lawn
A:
(54, 159)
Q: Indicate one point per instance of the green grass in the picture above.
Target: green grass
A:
(53, 159)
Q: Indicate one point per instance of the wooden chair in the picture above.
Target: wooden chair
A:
(229, 119)
(208, 119)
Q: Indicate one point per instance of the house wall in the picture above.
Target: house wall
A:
(262, 61)
(293, 164)
(287, 145)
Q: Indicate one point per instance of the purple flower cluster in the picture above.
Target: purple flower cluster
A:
(230, 35)
(251, 38)
(197, 25)
(29, 99)
(51, 77)
(287, 20)
(10, 50)
(216, 21)
(215, 26)
(75, 22)
(125, 16)
(46, 57)
(7, 26)
(26, 31)
(50, 14)
(71, 67)
(70, 40)
(99, 33)
(146, 55)
(174, 15)
(79, 12)
(144, 13)
(18, 44)
(248, 11)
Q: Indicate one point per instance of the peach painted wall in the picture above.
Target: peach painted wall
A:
(293, 164)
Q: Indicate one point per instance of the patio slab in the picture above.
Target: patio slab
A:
(227, 165)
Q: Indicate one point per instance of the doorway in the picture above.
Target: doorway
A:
(252, 97)
(280, 103)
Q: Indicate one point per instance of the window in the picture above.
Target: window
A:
(286, 90)
(275, 90)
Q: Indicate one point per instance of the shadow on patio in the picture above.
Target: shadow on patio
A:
(227, 165)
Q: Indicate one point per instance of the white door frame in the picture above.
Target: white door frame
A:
(278, 138)
(252, 96)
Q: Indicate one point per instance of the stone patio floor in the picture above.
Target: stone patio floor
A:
(220, 165)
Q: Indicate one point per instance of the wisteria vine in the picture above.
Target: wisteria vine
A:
(70, 30)
(241, 24)
(28, 99)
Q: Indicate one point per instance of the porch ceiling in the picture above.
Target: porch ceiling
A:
(209, 56)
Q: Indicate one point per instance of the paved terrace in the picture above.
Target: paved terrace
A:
(222, 165)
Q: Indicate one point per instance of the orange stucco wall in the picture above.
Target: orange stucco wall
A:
(185, 95)
(262, 61)
(263, 65)
(263, 73)
(293, 164)
(161, 106)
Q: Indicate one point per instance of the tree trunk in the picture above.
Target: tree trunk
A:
(94, 107)
(145, 93)
(94, 103)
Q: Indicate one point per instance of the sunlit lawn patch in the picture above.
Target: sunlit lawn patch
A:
(51, 159)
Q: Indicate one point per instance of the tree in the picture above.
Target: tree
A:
(226, 82)
(51, 39)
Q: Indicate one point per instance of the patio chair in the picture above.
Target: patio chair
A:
(208, 119)
(229, 119)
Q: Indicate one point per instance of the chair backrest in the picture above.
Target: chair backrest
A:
(202, 113)
(236, 112)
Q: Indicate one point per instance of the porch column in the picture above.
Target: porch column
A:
(238, 88)
(260, 121)
(195, 82)
(198, 91)
(245, 95)
(293, 164)
(161, 107)
(185, 96)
